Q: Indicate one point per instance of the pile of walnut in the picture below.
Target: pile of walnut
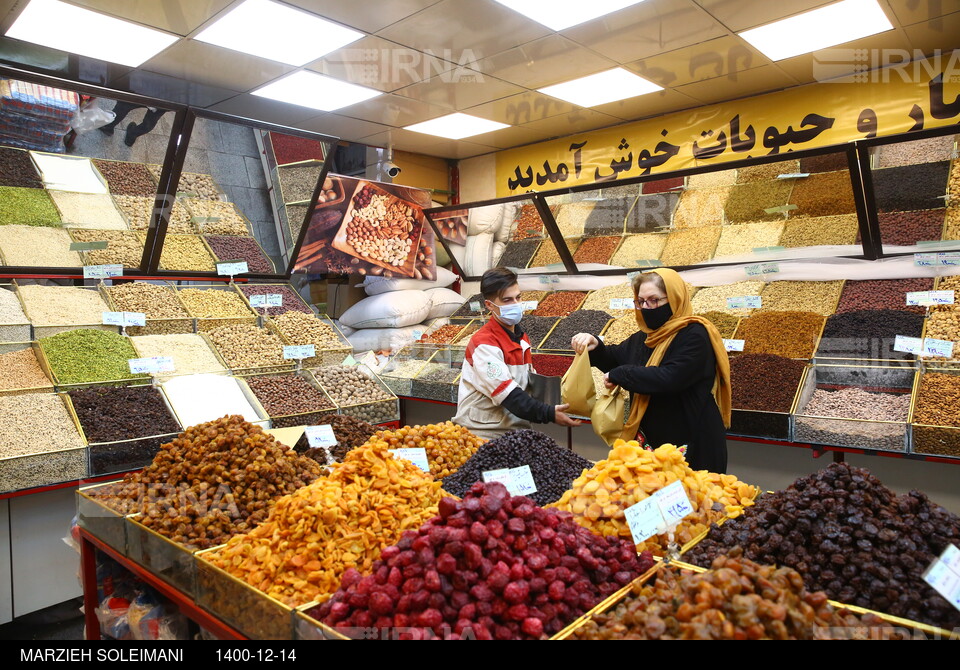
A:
(215, 480)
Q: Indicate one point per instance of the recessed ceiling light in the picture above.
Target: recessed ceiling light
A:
(80, 31)
(316, 91)
(601, 88)
(278, 32)
(561, 14)
(818, 29)
(456, 126)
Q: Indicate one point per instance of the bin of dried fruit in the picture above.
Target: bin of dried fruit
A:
(771, 603)
(850, 536)
(448, 446)
(765, 388)
(491, 566)
(936, 416)
(868, 334)
(787, 334)
(349, 431)
(631, 473)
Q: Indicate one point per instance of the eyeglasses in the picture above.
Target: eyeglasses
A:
(649, 304)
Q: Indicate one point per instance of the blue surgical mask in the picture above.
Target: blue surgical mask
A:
(510, 315)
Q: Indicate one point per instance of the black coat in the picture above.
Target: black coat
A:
(682, 409)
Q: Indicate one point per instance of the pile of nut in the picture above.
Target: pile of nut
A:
(215, 480)
(300, 328)
(448, 445)
(630, 474)
(348, 386)
(124, 247)
(184, 253)
(381, 228)
(126, 178)
(214, 217)
(156, 302)
(339, 522)
(138, 211)
(214, 303)
(820, 297)
(283, 395)
(244, 346)
(85, 355)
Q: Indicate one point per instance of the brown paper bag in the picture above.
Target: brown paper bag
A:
(607, 415)
(577, 387)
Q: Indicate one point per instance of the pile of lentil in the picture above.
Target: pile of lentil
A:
(82, 356)
(21, 370)
(553, 467)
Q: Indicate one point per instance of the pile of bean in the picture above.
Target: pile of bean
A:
(661, 185)
(298, 182)
(466, 311)
(908, 228)
(630, 474)
(244, 346)
(126, 178)
(748, 202)
(214, 303)
(701, 207)
(561, 303)
(14, 326)
(825, 194)
(787, 334)
(767, 171)
(82, 356)
(621, 329)
(583, 321)
(225, 219)
(824, 163)
(283, 395)
(157, 302)
(572, 217)
(62, 305)
(300, 328)
(725, 323)
(547, 254)
(770, 603)
(596, 250)
(881, 294)
(16, 169)
(199, 185)
(291, 300)
(911, 187)
(849, 536)
(138, 209)
(537, 327)
(945, 325)
(110, 414)
(652, 213)
(436, 381)
(607, 217)
(938, 404)
(929, 150)
(37, 246)
(123, 247)
(518, 254)
(951, 229)
(356, 511)
(190, 353)
(38, 423)
(27, 206)
(764, 382)
(349, 431)
(184, 253)
(529, 224)
(442, 335)
(214, 481)
(711, 179)
(823, 230)
(600, 299)
(21, 370)
(689, 246)
(88, 210)
(855, 403)
(348, 386)
(745, 237)
(819, 297)
(229, 248)
(642, 247)
(448, 446)
(550, 365)
(489, 567)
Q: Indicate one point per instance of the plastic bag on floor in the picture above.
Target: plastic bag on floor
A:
(90, 118)
(152, 619)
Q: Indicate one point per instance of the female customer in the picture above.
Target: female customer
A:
(676, 369)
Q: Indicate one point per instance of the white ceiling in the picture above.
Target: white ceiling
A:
(434, 57)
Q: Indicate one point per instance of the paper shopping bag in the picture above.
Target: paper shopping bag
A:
(577, 387)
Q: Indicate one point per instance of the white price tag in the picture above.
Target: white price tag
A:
(945, 581)
(475, 306)
(793, 175)
(745, 302)
(519, 481)
(922, 298)
(153, 365)
(350, 360)
(951, 558)
(925, 260)
(134, 319)
(530, 305)
(949, 258)
(320, 436)
(761, 269)
(417, 335)
(644, 519)
(416, 456)
(231, 268)
(503, 476)
(932, 347)
(734, 345)
(267, 300)
(621, 303)
(102, 271)
(674, 503)
(942, 297)
(299, 351)
(113, 319)
(908, 345)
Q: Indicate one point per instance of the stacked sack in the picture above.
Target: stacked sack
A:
(488, 231)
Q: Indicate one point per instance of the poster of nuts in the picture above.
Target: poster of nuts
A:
(377, 229)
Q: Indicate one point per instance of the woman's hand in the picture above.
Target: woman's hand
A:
(583, 342)
(606, 382)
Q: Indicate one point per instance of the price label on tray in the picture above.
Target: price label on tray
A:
(231, 268)
(951, 558)
(908, 345)
(921, 298)
(149, 366)
(767, 250)
(549, 279)
(416, 456)
(932, 347)
(948, 258)
(267, 300)
(124, 319)
(761, 269)
(102, 271)
(644, 519)
(745, 302)
(519, 481)
(530, 305)
(674, 503)
(299, 351)
(733, 345)
(782, 209)
(350, 360)
(944, 580)
(621, 303)
(942, 259)
(475, 306)
(320, 436)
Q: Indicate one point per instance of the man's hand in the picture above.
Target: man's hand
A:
(583, 342)
(562, 419)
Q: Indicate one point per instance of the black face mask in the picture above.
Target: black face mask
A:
(656, 317)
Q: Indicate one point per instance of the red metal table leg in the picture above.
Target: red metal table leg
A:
(88, 568)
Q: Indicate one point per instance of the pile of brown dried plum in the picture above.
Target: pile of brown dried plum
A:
(850, 536)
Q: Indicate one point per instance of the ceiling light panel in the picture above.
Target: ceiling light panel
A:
(601, 88)
(59, 25)
(817, 29)
(561, 14)
(456, 126)
(277, 32)
(315, 91)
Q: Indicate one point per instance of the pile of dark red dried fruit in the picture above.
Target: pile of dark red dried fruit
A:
(491, 566)
(850, 536)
